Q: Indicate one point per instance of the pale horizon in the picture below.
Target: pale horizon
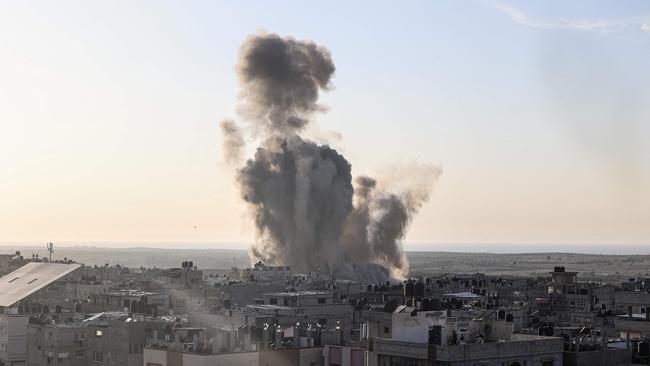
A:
(490, 248)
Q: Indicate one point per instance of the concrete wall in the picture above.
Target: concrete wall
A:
(289, 357)
(280, 358)
(531, 349)
(415, 329)
(346, 355)
(52, 341)
(115, 342)
(155, 357)
(636, 328)
(606, 357)
(13, 337)
(632, 298)
(226, 359)
(311, 356)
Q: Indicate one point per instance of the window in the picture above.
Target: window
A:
(99, 333)
(386, 330)
(548, 363)
(357, 357)
(135, 348)
(79, 353)
(322, 300)
(98, 356)
(273, 301)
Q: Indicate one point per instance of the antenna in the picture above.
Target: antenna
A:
(50, 249)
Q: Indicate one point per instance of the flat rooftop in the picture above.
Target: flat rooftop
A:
(30, 278)
(299, 293)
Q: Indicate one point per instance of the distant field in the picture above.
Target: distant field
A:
(147, 257)
(594, 266)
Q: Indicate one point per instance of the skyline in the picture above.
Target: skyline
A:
(535, 115)
(492, 248)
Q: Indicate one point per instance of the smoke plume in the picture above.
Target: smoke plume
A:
(307, 212)
(232, 141)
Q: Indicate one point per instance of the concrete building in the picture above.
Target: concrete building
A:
(410, 337)
(344, 355)
(287, 357)
(129, 300)
(263, 273)
(21, 295)
(111, 339)
(302, 314)
(56, 344)
(634, 324)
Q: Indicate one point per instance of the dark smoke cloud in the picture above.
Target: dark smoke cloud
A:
(281, 79)
(232, 141)
(306, 210)
(300, 194)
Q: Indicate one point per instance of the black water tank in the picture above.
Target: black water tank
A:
(436, 304)
(409, 289)
(644, 349)
(426, 304)
(435, 335)
(546, 331)
(418, 289)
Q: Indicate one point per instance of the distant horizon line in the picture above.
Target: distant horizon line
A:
(489, 248)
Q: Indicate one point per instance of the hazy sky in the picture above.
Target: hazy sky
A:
(537, 112)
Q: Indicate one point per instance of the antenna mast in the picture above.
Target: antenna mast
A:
(50, 249)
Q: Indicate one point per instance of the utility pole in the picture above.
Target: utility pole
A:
(50, 249)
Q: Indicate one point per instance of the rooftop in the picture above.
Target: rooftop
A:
(126, 292)
(299, 293)
(463, 295)
(30, 278)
